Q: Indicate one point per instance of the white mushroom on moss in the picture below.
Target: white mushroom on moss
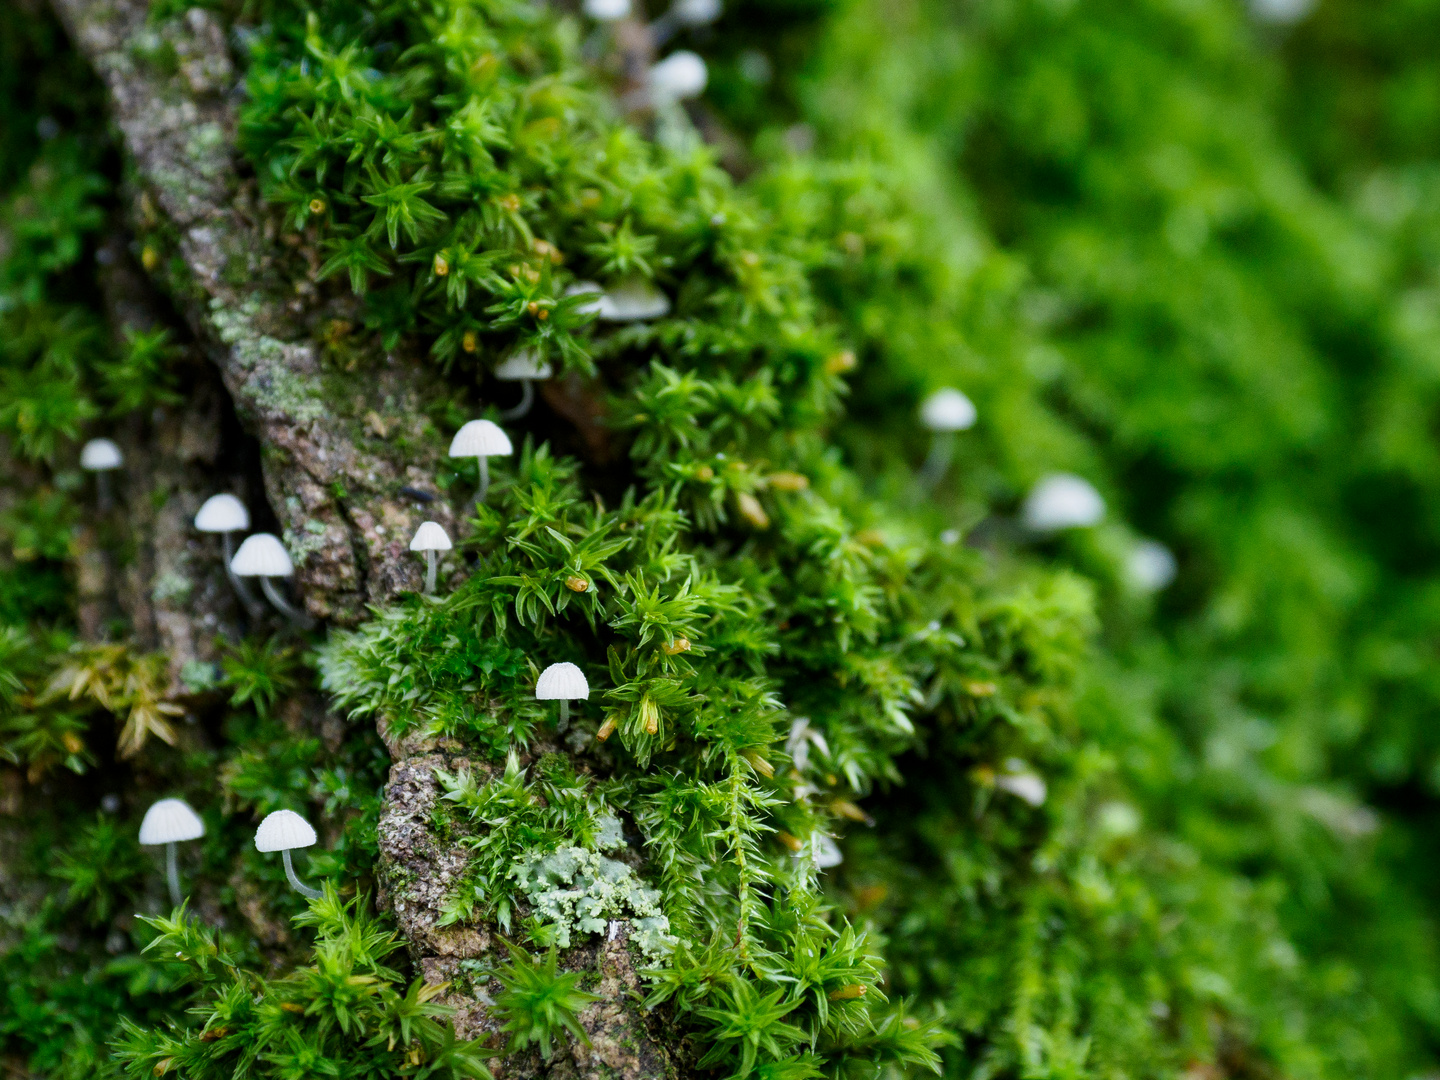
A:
(170, 822)
(684, 15)
(944, 412)
(562, 682)
(264, 556)
(526, 368)
(1150, 566)
(1062, 501)
(101, 457)
(226, 515)
(679, 76)
(481, 439)
(284, 831)
(607, 10)
(432, 539)
(633, 300)
(1019, 780)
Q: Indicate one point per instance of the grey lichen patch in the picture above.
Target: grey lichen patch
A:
(578, 892)
(313, 536)
(171, 586)
(208, 149)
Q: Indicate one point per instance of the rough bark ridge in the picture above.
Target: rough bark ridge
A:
(332, 470)
(344, 496)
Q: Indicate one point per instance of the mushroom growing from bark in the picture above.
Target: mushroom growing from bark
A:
(1062, 501)
(944, 412)
(562, 682)
(524, 367)
(170, 822)
(102, 457)
(482, 439)
(284, 831)
(265, 557)
(432, 539)
(679, 76)
(226, 515)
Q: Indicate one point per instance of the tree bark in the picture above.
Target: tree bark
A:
(343, 495)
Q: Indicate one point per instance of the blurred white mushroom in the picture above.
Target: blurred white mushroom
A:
(432, 539)
(680, 75)
(562, 682)
(169, 822)
(226, 515)
(481, 439)
(524, 367)
(607, 10)
(1281, 12)
(631, 301)
(684, 15)
(1150, 566)
(1019, 781)
(824, 851)
(1062, 501)
(264, 556)
(944, 412)
(101, 456)
(284, 831)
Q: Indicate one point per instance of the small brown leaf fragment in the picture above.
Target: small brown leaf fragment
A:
(681, 644)
(791, 842)
(376, 423)
(788, 481)
(848, 993)
(576, 584)
(606, 730)
(751, 510)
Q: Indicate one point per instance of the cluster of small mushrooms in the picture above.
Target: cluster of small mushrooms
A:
(173, 821)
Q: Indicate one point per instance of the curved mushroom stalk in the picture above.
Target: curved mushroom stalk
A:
(247, 598)
(937, 462)
(527, 402)
(282, 605)
(295, 883)
(944, 412)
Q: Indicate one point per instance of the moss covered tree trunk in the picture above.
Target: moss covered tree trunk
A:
(343, 465)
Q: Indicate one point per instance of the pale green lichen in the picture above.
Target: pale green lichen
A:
(573, 891)
(171, 586)
(276, 387)
(306, 540)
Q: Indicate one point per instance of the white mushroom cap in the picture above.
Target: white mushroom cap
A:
(430, 536)
(633, 301)
(100, 455)
(1062, 501)
(947, 410)
(587, 288)
(563, 680)
(1150, 566)
(1281, 12)
(607, 10)
(222, 514)
(1019, 781)
(284, 830)
(170, 821)
(525, 364)
(825, 851)
(481, 438)
(680, 75)
(262, 555)
(696, 12)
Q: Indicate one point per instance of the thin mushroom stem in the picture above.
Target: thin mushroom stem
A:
(527, 400)
(484, 480)
(172, 873)
(247, 598)
(294, 614)
(942, 449)
(104, 497)
(295, 882)
(432, 558)
(564, 717)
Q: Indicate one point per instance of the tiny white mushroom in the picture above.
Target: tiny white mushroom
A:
(1281, 12)
(526, 368)
(481, 439)
(607, 10)
(944, 412)
(684, 14)
(226, 515)
(824, 851)
(1020, 781)
(264, 556)
(284, 831)
(680, 75)
(1062, 501)
(633, 301)
(562, 682)
(1150, 566)
(430, 538)
(169, 822)
(101, 456)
